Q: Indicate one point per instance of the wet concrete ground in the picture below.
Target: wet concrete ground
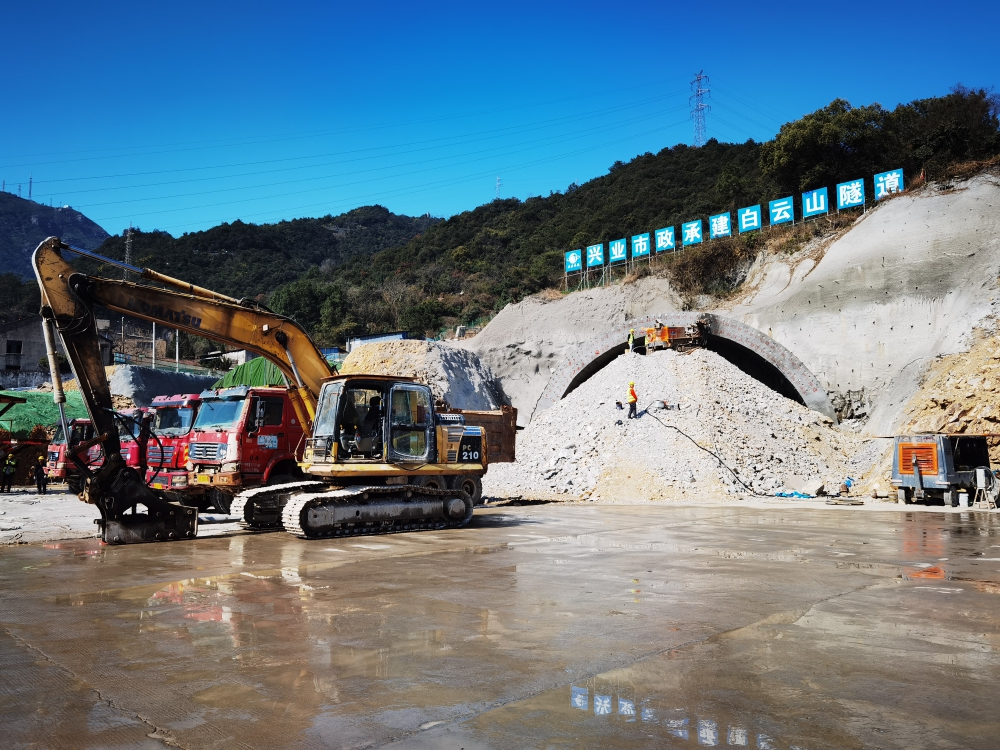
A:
(546, 626)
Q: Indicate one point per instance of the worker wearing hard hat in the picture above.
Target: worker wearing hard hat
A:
(40, 475)
(632, 400)
(631, 341)
(9, 469)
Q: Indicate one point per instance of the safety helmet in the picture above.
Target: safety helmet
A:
(631, 382)
(631, 330)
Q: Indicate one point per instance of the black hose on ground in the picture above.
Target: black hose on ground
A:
(715, 455)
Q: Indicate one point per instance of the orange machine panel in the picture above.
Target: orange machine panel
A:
(925, 453)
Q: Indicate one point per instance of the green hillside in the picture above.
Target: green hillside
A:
(370, 270)
(247, 260)
(24, 223)
(477, 261)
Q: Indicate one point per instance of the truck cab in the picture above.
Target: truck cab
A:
(60, 468)
(167, 452)
(243, 437)
(129, 425)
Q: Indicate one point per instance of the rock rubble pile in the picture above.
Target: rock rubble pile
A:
(454, 375)
(690, 406)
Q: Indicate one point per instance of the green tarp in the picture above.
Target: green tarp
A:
(258, 372)
(39, 409)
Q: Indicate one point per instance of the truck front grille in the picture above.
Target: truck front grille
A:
(153, 457)
(207, 451)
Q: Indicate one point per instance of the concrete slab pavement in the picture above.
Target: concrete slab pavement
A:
(756, 627)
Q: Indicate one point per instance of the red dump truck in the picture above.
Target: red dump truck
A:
(242, 437)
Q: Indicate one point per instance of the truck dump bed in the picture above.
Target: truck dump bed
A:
(500, 427)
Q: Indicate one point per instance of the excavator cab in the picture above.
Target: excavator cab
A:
(375, 420)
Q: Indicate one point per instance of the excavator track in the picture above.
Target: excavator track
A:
(362, 510)
(260, 508)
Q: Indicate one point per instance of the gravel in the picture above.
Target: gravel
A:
(585, 446)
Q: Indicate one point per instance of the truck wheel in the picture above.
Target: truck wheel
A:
(902, 495)
(222, 501)
(435, 482)
(469, 484)
(75, 485)
(950, 498)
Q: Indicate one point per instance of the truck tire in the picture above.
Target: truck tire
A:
(471, 484)
(75, 485)
(221, 501)
(434, 481)
(902, 495)
(950, 498)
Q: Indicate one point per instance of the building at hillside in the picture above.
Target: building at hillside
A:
(22, 346)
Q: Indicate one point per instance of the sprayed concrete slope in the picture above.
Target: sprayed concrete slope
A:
(909, 282)
(454, 375)
(526, 341)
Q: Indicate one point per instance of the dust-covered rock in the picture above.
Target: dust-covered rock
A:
(730, 435)
(455, 375)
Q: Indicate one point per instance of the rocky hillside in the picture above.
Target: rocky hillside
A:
(867, 308)
(24, 223)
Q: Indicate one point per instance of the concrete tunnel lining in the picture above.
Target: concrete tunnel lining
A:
(754, 352)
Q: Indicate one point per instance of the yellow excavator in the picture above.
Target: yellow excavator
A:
(379, 455)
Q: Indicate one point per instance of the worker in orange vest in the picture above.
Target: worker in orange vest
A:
(632, 400)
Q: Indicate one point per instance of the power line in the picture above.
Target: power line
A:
(485, 136)
(699, 108)
(316, 134)
(482, 154)
(381, 195)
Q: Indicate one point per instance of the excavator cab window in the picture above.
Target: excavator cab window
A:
(361, 422)
(411, 422)
(325, 423)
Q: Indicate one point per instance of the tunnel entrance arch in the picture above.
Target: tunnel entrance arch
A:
(754, 352)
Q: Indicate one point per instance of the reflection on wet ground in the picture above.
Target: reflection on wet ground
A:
(534, 627)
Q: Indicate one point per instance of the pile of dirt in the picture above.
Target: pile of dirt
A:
(586, 446)
(456, 376)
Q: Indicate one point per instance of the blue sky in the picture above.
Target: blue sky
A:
(182, 115)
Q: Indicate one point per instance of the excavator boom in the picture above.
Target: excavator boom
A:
(68, 298)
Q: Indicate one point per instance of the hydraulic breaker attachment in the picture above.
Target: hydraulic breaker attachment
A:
(131, 512)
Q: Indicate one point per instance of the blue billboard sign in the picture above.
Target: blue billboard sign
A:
(665, 239)
(749, 218)
(574, 261)
(640, 245)
(691, 233)
(850, 194)
(814, 203)
(887, 183)
(720, 225)
(782, 211)
(617, 250)
(595, 255)
(579, 698)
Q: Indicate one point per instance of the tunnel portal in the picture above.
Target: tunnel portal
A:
(752, 351)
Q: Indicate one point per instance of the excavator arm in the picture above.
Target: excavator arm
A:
(68, 298)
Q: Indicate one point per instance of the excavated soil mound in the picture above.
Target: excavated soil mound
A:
(585, 446)
(455, 375)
